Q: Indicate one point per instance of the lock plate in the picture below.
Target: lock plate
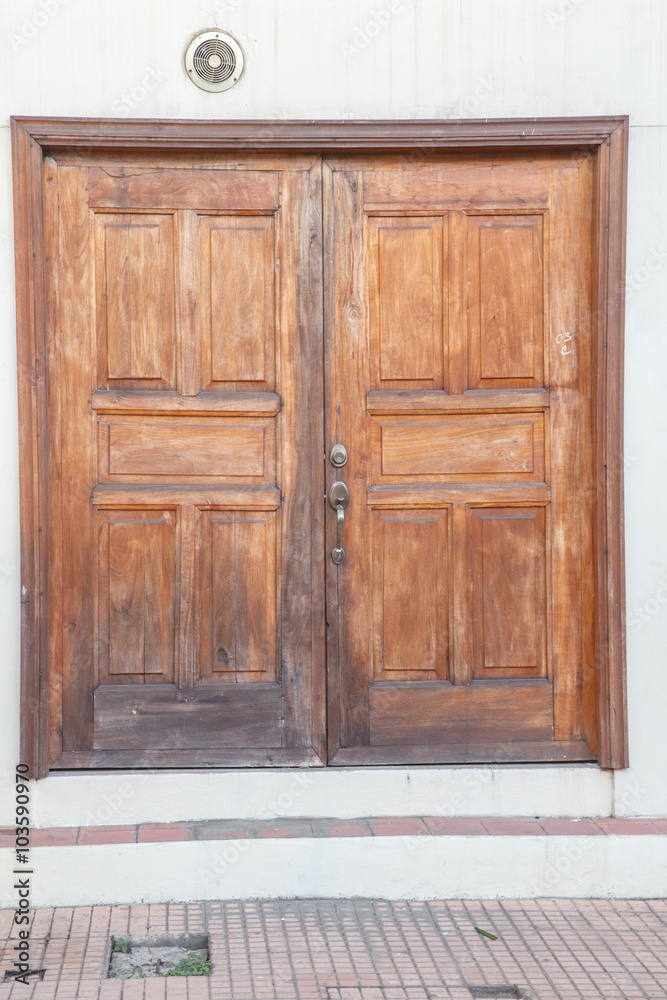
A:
(338, 455)
(339, 495)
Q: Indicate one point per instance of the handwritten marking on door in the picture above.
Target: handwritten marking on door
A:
(563, 338)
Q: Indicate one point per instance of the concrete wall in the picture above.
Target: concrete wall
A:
(373, 59)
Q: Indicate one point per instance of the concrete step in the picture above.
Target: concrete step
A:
(384, 857)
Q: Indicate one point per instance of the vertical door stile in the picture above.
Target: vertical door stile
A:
(52, 735)
(187, 283)
(330, 239)
(461, 665)
(76, 381)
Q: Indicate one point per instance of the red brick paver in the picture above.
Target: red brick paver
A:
(362, 950)
(398, 827)
(322, 827)
(53, 837)
(616, 826)
(107, 835)
(165, 832)
(513, 827)
(571, 827)
(454, 826)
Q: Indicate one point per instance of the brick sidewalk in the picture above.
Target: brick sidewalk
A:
(362, 950)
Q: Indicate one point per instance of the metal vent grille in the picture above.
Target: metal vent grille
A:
(214, 61)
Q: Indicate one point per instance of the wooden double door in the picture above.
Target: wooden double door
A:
(215, 324)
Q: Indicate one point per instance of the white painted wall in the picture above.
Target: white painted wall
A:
(374, 59)
(632, 867)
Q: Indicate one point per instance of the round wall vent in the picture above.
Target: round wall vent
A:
(214, 61)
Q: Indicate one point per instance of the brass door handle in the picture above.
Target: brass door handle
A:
(339, 498)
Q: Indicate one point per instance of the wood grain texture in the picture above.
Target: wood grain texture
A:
(188, 304)
(505, 311)
(137, 586)
(410, 575)
(52, 528)
(214, 404)
(609, 301)
(31, 299)
(77, 379)
(433, 495)
(229, 190)
(472, 752)
(482, 183)
(178, 449)
(136, 300)
(169, 496)
(570, 223)
(300, 386)
(478, 447)
(474, 400)
(201, 757)
(509, 606)
(128, 718)
(267, 134)
(237, 614)
(237, 301)
(434, 712)
(406, 302)
(348, 381)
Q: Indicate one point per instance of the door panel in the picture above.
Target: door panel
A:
(508, 582)
(184, 361)
(409, 565)
(505, 311)
(237, 627)
(406, 262)
(136, 591)
(458, 374)
(135, 263)
(237, 301)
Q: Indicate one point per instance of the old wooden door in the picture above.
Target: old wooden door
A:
(458, 302)
(185, 435)
(188, 463)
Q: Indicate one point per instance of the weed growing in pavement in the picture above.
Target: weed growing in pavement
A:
(193, 965)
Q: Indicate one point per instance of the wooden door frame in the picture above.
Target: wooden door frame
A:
(606, 137)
